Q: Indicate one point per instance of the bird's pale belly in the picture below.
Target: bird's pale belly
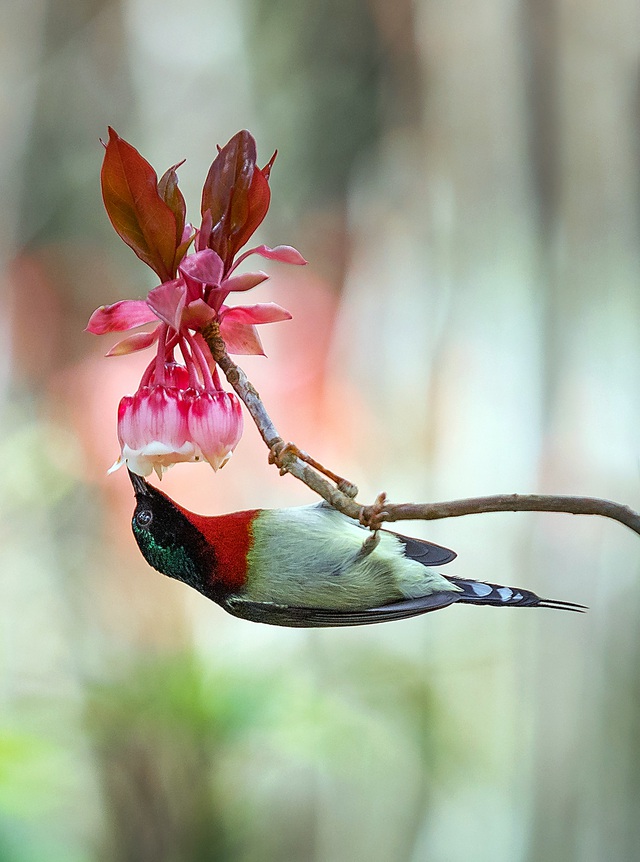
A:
(315, 559)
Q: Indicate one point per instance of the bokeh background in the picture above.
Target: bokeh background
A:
(463, 179)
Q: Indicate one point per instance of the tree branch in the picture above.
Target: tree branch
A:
(515, 503)
(341, 495)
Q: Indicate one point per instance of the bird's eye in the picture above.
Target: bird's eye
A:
(144, 517)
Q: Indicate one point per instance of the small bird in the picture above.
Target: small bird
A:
(306, 566)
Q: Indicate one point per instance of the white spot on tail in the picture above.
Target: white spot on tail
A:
(505, 593)
(481, 589)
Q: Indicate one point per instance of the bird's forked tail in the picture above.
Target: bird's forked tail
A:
(480, 593)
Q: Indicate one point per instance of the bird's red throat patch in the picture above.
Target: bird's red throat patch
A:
(231, 537)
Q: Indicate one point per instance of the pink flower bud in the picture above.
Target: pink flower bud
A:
(215, 424)
(176, 375)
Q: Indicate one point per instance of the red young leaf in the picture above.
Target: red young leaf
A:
(258, 199)
(183, 248)
(266, 170)
(142, 218)
(172, 196)
(236, 194)
(229, 177)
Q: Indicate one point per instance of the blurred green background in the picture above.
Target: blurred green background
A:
(463, 179)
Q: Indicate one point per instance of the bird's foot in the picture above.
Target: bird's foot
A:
(370, 544)
(282, 454)
(373, 516)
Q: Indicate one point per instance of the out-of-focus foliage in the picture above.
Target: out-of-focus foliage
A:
(198, 763)
(463, 180)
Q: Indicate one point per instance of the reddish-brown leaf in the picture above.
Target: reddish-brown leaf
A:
(182, 249)
(258, 200)
(266, 170)
(229, 178)
(141, 217)
(236, 193)
(170, 193)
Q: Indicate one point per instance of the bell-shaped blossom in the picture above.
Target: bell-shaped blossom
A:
(153, 430)
(179, 413)
(215, 424)
(161, 426)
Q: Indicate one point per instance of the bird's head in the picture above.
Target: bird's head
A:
(168, 539)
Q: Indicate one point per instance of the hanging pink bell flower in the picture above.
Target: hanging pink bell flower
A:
(180, 412)
(215, 424)
(161, 426)
(153, 430)
(184, 417)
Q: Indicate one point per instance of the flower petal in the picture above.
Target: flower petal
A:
(196, 314)
(262, 312)
(282, 253)
(156, 457)
(139, 341)
(123, 315)
(200, 269)
(215, 424)
(241, 338)
(119, 462)
(153, 424)
(245, 281)
(168, 301)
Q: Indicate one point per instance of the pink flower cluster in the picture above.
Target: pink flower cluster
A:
(180, 411)
(170, 421)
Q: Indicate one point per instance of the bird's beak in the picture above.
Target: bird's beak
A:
(140, 486)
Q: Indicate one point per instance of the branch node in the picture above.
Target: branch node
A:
(215, 342)
(348, 488)
(283, 455)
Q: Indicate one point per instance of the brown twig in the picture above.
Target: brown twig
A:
(292, 460)
(514, 503)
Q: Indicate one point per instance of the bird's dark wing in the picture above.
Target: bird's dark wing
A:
(425, 552)
(287, 615)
